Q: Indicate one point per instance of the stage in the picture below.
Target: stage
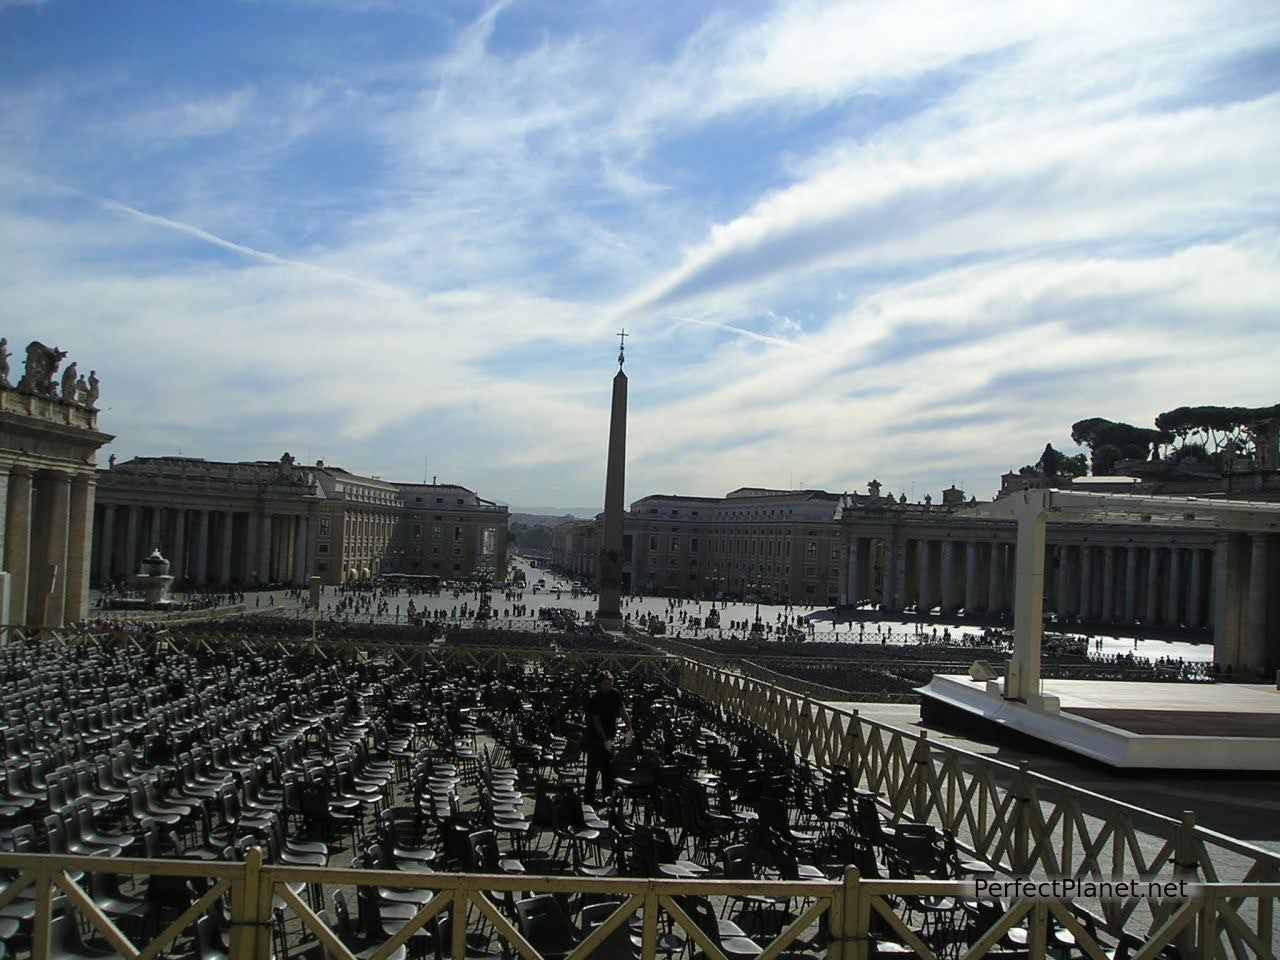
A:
(1135, 726)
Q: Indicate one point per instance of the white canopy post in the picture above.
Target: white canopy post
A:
(1031, 509)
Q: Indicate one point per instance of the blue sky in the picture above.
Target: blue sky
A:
(912, 241)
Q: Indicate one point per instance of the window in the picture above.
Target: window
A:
(675, 544)
(322, 566)
(835, 551)
(653, 541)
(435, 551)
(417, 499)
(439, 499)
(457, 551)
(653, 563)
(417, 531)
(457, 534)
(810, 550)
(693, 544)
(810, 572)
(324, 526)
(322, 548)
(673, 562)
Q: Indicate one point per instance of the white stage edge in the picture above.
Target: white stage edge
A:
(1117, 747)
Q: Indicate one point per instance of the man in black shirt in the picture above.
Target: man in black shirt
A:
(603, 709)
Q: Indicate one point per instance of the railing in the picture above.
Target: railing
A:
(838, 918)
(1020, 822)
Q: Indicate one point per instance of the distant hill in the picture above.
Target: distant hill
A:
(548, 516)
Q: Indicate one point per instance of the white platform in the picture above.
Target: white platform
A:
(1144, 726)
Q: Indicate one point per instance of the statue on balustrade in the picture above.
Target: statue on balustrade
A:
(91, 397)
(4, 362)
(69, 383)
(42, 364)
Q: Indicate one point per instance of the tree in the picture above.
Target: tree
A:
(1053, 463)
(1253, 431)
(1109, 441)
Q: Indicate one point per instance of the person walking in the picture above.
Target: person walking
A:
(604, 707)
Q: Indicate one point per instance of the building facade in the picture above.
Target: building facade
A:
(914, 557)
(775, 546)
(225, 524)
(447, 531)
(877, 551)
(771, 545)
(48, 441)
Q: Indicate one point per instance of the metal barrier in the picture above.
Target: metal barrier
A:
(836, 918)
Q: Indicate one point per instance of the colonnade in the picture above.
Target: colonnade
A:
(1150, 584)
(45, 530)
(205, 547)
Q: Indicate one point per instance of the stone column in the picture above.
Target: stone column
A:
(888, 560)
(995, 579)
(1061, 607)
(900, 577)
(224, 548)
(1085, 610)
(264, 548)
(1130, 584)
(249, 572)
(48, 593)
(1230, 593)
(131, 543)
(1195, 603)
(1173, 613)
(924, 582)
(1255, 631)
(17, 545)
(4, 500)
(75, 605)
(300, 549)
(1153, 587)
(855, 571)
(948, 577)
(153, 531)
(105, 547)
(200, 567)
(970, 578)
(178, 565)
(1108, 583)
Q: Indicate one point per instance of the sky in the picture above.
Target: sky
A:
(907, 241)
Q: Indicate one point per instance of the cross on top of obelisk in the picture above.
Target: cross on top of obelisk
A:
(622, 343)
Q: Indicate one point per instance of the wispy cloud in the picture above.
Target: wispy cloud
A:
(911, 240)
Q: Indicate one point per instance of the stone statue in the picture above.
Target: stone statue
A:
(91, 397)
(82, 391)
(42, 364)
(4, 362)
(111, 461)
(69, 383)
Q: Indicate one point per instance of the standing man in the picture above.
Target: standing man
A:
(603, 709)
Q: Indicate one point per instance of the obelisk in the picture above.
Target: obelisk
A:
(609, 612)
